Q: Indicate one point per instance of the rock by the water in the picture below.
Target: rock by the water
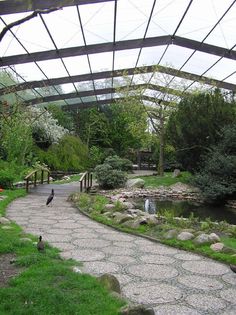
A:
(136, 310)
(135, 182)
(214, 238)
(217, 247)
(122, 217)
(110, 282)
(202, 239)
(184, 236)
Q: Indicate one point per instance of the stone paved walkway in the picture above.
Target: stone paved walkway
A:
(172, 281)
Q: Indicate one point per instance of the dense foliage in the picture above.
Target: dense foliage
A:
(217, 180)
(70, 154)
(196, 123)
(118, 163)
(111, 174)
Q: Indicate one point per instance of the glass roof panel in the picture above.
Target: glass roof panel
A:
(201, 17)
(100, 62)
(151, 55)
(67, 88)
(104, 96)
(77, 65)
(97, 20)
(53, 68)
(231, 79)
(88, 99)
(29, 71)
(132, 18)
(200, 62)
(75, 100)
(103, 83)
(26, 32)
(67, 32)
(221, 70)
(166, 17)
(84, 86)
(126, 59)
(176, 56)
(222, 34)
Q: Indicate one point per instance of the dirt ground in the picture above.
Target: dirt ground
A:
(7, 268)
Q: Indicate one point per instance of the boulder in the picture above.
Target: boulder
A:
(109, 206)
(202, 239)
(122, 217)
(184, 236)
(110, 282)
(214, 238)
(128, 205)
(135, 212)
(170, 234)
(152, 219)
(176, 173)
(136, 310)
(217, 247)
(135, 182)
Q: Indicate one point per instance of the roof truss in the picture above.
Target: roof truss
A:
(118, 46)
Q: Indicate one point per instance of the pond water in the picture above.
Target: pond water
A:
(184, 208)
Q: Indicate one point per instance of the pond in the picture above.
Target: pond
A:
(184, 208)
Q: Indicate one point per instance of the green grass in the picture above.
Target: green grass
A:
(10, 196)
(47, 284)
(166, 180)
(73, 178)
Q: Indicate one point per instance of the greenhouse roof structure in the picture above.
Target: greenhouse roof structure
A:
(76, 52)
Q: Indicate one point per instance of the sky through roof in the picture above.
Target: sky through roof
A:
(90, 43)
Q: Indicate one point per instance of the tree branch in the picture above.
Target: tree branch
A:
(29, 17)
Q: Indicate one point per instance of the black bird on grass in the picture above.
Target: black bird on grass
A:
(40, 244)
(50, 197)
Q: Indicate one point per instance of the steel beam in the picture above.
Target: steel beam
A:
(19, 6)
(116, 73)
(118, 46)
(53, 98)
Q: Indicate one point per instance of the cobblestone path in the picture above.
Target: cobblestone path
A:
(172, 281)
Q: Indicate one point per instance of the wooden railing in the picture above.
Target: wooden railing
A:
(31, 178)
(86, 181)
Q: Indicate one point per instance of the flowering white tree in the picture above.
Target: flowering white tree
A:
(45, 128)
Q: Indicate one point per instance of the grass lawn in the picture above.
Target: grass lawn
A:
(167, 180)
(46, 283)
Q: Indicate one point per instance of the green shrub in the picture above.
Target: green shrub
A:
(6, 178)
(109, 178)
(118, 163)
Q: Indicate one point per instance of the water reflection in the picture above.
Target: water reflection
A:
(184, 208)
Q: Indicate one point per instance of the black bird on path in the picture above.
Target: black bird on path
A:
(50, 197)
(40, 244)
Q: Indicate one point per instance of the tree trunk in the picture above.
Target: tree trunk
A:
(161, 153)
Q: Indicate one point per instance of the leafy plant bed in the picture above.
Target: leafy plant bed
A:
(46, 283)
(115, 214)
